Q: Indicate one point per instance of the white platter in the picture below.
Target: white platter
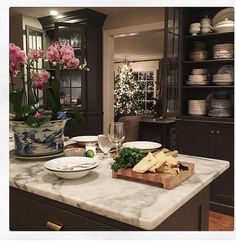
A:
(85, 139)
(222, 15)
(35, 158)
(145, 146)
(72, 167)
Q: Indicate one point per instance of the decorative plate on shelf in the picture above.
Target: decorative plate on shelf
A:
(145, 146)
(222, 15)
(85, 139)
(227, 69)
(35, 158)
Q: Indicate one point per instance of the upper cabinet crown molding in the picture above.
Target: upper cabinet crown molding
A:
(80, 15)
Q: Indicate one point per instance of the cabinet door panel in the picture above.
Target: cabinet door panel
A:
(193, 139)
(222, 189)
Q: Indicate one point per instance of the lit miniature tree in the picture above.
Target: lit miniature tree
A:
(126, 93)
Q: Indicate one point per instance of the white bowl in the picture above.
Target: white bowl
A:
(194, 30)
(70, 175)
(72, 167)
(199, 71)
(197, 77)
(224, 26)
(195, 25)
(222, 77)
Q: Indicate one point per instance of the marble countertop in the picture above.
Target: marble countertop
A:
(126, 201)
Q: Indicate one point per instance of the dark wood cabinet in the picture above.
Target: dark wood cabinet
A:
(203, 135)
(31, 212)
(81, 91)
(214, 140)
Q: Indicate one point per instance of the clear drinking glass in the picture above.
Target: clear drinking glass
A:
(116, 134)
(105, 144)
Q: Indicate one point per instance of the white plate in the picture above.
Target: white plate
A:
(85, 139)
(223, 83)
(227, 69)
(145, 146)
(35, 158)
(221, 15)
(72, 167)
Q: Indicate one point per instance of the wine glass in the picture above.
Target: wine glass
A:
(116, 134)
(105, 145)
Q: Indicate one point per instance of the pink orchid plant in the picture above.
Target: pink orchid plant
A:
(25, 100)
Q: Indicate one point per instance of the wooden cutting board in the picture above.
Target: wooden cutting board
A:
(164, 180)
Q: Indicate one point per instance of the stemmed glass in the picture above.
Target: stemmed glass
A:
(105, 145)
(116, 134)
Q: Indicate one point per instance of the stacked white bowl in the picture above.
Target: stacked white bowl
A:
(195, 28)
(224, 51)
(197, 77)
(222, 79)
(197, 107)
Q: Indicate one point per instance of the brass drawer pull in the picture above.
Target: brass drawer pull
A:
(212, 131)
(217, 131)
(53, 226)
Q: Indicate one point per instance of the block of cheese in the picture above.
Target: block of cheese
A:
(145, 164)
(166, 169)
(172, 153)
(160, 160)
(171, 161)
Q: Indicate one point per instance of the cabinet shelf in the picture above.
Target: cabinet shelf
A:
(209, 61)
(205, 87)
(209, 36)
(204, 118)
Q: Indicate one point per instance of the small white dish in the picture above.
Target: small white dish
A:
(72, 167)
(145, 146)
(85, 139)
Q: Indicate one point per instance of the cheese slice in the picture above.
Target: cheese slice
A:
(172, 153)
(145, 164)
(171, 161)
(166, 169)
(160, 160)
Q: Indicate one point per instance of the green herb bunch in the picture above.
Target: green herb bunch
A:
(127, 158)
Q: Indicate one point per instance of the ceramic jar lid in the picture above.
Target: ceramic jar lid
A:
(206, 20)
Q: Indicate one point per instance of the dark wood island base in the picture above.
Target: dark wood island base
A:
(31, 212)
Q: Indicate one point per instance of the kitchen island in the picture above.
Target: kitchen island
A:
(39, 200)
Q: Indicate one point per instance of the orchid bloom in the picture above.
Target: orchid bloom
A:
(39, 79)
(38, 115)
(35, 54)
(17, 57)
(52, 53)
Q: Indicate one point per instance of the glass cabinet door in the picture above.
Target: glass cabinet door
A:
(171, 63)
(72, 80)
